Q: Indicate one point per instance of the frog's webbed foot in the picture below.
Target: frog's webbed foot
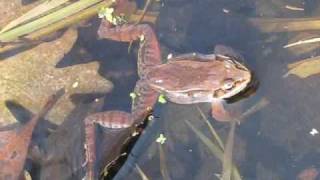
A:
(109, 119)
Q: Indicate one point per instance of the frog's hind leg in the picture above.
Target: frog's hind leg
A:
(110, 119)
(149, 53)
(142, 105)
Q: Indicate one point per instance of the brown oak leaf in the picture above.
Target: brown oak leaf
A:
(28, 77)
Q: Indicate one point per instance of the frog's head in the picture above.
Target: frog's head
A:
(236, 78)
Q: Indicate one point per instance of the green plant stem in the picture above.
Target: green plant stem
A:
(47, 20)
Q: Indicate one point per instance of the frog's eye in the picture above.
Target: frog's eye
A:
(228, 84)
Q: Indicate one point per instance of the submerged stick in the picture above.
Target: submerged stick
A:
(285, 24)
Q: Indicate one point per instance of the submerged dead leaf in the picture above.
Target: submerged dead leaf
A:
(285, 24)
(15, 143)
(304, 68)
(28, 77)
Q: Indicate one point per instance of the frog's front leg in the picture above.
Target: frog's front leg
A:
(146, 98)
(218, 111)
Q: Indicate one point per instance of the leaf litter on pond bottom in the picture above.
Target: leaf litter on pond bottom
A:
(304, 68)
(30, 76)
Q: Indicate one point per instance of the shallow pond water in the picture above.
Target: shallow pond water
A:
(273, 143)
(278, 141)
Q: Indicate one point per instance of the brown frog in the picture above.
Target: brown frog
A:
(186, 79)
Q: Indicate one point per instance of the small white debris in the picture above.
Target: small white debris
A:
(169, 56)
(228, 66)
(96, 100)
(219, 176)
(161, 139)
(226, 10)
(314, 132)
(142, 38)
(294, 8)
(150, 118)
(75, 84)
(135, 133)
(133, 96)
(27, 175)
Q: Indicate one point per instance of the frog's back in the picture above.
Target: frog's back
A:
(186, 75)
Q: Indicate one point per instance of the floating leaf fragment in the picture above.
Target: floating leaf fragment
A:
(162, 99)
(304, 68)
(314, 132)
(106, 13)
(109, 14)
(161, 139)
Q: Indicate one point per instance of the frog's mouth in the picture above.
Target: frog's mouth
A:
(247, 91)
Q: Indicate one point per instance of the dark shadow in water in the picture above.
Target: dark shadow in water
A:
(85, 98)
(26, 2)
(25, 44)
(20, 113)
(63, 153)
(15, 51)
